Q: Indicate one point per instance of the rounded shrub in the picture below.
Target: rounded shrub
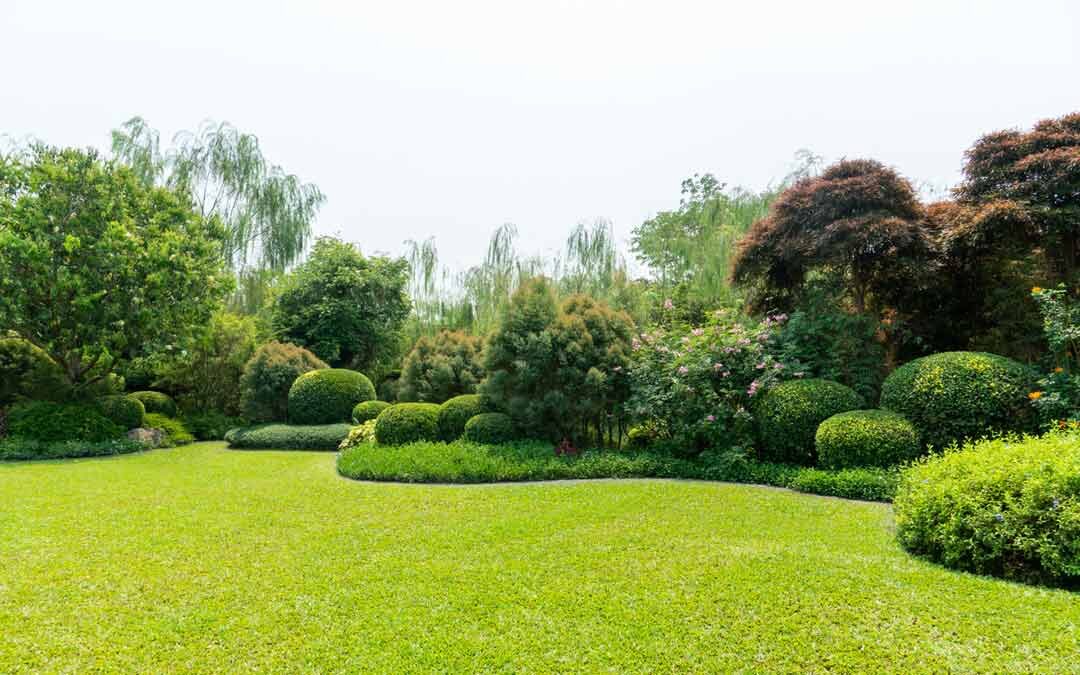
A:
(268, 377)
(866, 438)
(368, 410)
(407, 423)
(289, 437)
(1006, 507)
(954, 396)
(455, 413)
(51, 422)
(327, 396)
(788, 416)
(156, 403)
(126, 411)
(489, 428)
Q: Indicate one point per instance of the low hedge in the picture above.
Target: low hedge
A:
(327, 396)
(368, 410)
(788, 415)
(23, 449)
(156, 402)
(491, 428)
(1004, 507)
(56, 422)
(175, 431)
(867, 438)
(455, 413)
(288, 437)
(124, 411)
(407, 423)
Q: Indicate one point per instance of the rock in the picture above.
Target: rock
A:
(149, 438)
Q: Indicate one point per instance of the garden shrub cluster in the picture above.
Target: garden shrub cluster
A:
(176, 433)
(12, 449)
(359, 435)
(125, 411)
(57, 422)
(456, 412)
(407, 423)
(788, 416)
(441, 367)
(156, 402)
(489, 428)
(1009, 507)
(268, 377)
(288, 437)
(867, 438)
(328, 396)
(210, 425)
(368, 410)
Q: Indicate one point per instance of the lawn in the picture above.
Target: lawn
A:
(206, 559)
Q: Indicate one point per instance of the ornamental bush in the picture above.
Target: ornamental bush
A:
(288, 437)
(268, 377)
(407, 423)
(176, 433)
(327, 396)
(455, 413)
(866, 438)
(441, 367)
(210, 425)
(154, 402)
(953, 396)
(368, 410)
(1006, 507)
(489, 429)
(52, 422)
(788, 416)
(26, 372)
(24, 449)
(125, 411)
(359, 435)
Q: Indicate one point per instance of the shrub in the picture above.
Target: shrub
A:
(407, 422)
(155, 402)
(866, 438)
(210, 425)
(175, 431)
(23, 449)
(126, 411)
(489, 428)
(327, 396)
(288, 437)
(52, 422)
(269, 375)
(789, 414)
(441, 367)
(368, 410)
(1006, 507)
(954, 396)
(455, 414)
(359, 435)
(26, 372)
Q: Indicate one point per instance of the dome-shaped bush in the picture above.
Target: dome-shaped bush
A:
(489, 429)
(154, 402)
(407, 423)
(53, 422)
(268, 376)
(455, 413)
(956, 395)
(866, 438)
(788, 416)
(327, 396)
(126, 411)
(368, 410)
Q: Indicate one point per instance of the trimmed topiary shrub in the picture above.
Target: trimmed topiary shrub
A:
(175, 431)
(954, 396)
(53, 422)
(154, 402)
(788, 416)
(407, 423)
(268, 377)
(489, 429)
(368, 410)
(1005, 507)
(455, 413)
(866, 438)
(289, 437)
(327, 396)
(24, 449)
(126, 411)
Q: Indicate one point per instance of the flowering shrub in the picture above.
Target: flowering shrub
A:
(1057, 398)
(694, 385)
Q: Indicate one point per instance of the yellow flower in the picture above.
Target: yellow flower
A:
(1036, 289)
(1059, 369)
(1035, 395)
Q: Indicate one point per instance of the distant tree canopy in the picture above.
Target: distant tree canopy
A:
(94, 264)
(858, 220)
(267, 213)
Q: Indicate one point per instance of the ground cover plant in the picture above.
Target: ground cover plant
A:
(288, 436)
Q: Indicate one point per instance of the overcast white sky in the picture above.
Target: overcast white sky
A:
(448, 118)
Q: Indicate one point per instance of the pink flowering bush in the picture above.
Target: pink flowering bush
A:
(694, 386)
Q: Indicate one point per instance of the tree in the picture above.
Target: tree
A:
(95, 265)
(346, 308)
(267, 213)
(441, 367)
(858, 220)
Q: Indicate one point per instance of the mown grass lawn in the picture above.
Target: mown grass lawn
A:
(206, 559)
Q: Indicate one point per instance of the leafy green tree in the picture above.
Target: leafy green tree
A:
(94, 264)
(441, 367)
(346, 308)
(267, 213)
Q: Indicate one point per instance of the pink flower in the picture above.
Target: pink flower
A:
(698, 331)
(753, 388)
(778, 366)
(683, 370)
(668, 304)
(710, 418)
(760, 366)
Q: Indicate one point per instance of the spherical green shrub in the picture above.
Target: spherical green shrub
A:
(406, 423)
(953, 396)
(327, 396)
(866, 438)
(126, 411)
(490, 429)
(154, 402)
(788, 416)
(268, 377)
(1005, 507)
(455, 413)
(50, 422)
(368, 410)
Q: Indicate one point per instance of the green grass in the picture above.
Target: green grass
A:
(206, 559)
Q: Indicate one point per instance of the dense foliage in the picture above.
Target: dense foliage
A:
(26, 372)
(176, 432)
(156, 402)
(24, 449)
(1057, 399)
(210, 425)
(441, 367)
(57, 422)
(788, 416)
(866, 438)
(288, 437)
(489, 428)
(125, 411)
(328, 396)
(407, 423)
(368, 410)
(1005, 507)
(455, 413)
(268, 377)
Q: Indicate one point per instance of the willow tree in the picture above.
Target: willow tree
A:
(267, 213)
